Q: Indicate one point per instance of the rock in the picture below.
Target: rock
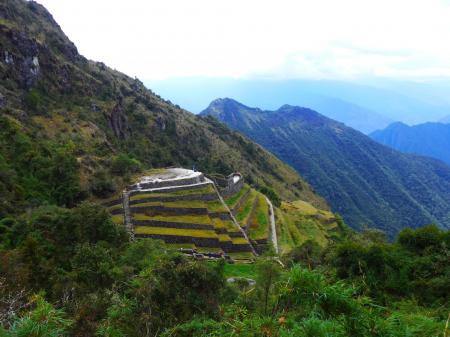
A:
(8, 58)
(2, 101)
(118, 120)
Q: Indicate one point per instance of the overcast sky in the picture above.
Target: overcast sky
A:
(159, 39)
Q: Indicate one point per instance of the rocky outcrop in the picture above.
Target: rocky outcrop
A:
(118, 120)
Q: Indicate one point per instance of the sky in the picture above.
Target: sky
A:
(282, 39)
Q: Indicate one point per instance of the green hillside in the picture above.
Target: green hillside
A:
(368, 183)
(73, 129)
(428, 139)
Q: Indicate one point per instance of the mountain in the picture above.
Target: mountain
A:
(366, 182)
(363, 106)
(74, 129)
(428, 139)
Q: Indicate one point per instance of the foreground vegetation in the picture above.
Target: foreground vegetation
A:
(75, 273)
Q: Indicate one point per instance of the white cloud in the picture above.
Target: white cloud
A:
(283, 38)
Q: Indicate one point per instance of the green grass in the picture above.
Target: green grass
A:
(240, 270)
(259, 224)
(196, 219)
(204, 190)
(212, 206)
(243, 212)
(233, 200)
(295, 225)
(197, 233)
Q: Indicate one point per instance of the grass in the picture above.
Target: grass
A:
(117, 206)
(195, 219)
(204, 190)
(259, 223)
(243, 212)
(118, 219)
(296, 225)
(239, 241)
(233, 200)
(242, 255)
(224, 237)
(240, 270)
(212, 206)
(196, 233)
(227, 224)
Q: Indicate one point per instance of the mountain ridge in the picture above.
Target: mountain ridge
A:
(430, 139)
(349, 169)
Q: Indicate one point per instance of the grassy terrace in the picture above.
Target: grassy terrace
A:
(204, 190)
(117, 206)
(224, 237)
(227, 224)
(239, 241)
(296, 225)
(196, 219)
(118, 219)
(234, 199)
(196, 233)
(212, 206)
(243, 212)
(259, 223)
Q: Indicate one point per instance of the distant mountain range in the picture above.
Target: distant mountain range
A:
(365, 107)
(429, 139)
(368, 183)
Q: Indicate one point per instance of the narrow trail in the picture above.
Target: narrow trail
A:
(272, 226)
(126, 214)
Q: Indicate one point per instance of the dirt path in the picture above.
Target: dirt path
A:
(272, 226)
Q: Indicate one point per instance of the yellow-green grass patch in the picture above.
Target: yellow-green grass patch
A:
(259, 223)
(196, 233)
(113, 207)
(243, 212)
(181, 245)
(194, 219)
(118, 219)
(239, 241)
(194, 191)
(224, 237)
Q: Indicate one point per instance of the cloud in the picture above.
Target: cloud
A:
(284, 38)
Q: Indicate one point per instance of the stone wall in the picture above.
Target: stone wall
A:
(232, 187)
(168, 183)
(170, 189)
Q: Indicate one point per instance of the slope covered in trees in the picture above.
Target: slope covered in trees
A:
(429, 139)
(366, 182)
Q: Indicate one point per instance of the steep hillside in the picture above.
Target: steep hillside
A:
(366, 182)
(429, 139)
(73, 129)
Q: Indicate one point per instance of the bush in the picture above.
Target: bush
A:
(272, 195)
(122, 164)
